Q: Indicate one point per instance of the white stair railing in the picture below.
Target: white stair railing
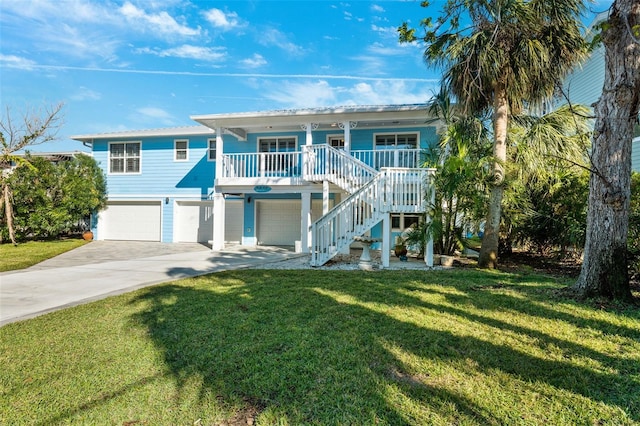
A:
(392, 190)
(323, 162)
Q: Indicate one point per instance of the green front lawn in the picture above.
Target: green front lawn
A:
(28, 254)
(327, 347)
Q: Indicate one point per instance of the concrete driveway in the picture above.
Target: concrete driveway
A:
(105, 268)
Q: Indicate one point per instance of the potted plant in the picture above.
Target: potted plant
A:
(400, 248)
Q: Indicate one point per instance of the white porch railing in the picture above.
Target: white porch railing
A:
(391, 191)
(323, 162)
(262, 164)
(409, 158)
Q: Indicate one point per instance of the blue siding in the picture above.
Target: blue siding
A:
(160, 174)
(163, 178)
(167, 221)
(584, 86)
(361, 139)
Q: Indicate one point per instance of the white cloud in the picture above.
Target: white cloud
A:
(391, 32)
(221, 20)
(160, 22)
(255, 61)
(303, 94)
(85, 93)
(377, 8)
(69, 10)
(390, 92)
(12, 61)
(155, 115)
(274, 37)
(209, 54)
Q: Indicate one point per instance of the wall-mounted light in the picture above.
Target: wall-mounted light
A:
(248, 199)
(166, 200)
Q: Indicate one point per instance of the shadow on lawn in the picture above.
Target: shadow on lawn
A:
(326, 352)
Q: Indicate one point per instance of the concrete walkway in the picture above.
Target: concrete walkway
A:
(105, 268)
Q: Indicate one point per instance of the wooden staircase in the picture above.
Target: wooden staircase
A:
(392, 190)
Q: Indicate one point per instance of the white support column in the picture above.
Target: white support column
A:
(347, 126)
(306, 153)
(219, 152)
(386, 240)
(325, 197)
(305, 231)
(428, 255)
(218, 198)
(218, 221)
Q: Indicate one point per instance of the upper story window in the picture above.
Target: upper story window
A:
(211, 150)
(124, 157)
(280, 158)
(336, 142)
(397, 141)
(287, 144)
(181, 150)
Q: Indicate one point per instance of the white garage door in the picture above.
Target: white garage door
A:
(233, 221)
(193, 221)
(278, 222)
(127, 220)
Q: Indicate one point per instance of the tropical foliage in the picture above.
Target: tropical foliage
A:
(462, 163)
(501, 56)
(17, 134)
(545, 201)
(53, 199)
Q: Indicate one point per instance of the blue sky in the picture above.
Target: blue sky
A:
(138, 64)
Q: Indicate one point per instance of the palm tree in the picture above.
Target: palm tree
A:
(512, 55)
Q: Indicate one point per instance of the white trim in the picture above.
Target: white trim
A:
(175, 150)
(109, 172)
(209, 140)
(416, 132)
(402, 216)
(168, 131)
(334, 136)
(295, 138)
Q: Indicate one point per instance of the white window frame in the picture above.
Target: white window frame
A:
(331, 138)
(277, 138)
(211, 149)
(395, 135)
(286, 165)
(176, 150)
(402, 217)
(125, 158)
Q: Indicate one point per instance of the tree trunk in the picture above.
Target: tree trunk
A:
(8, 212)
(488, 257)
(604, 268)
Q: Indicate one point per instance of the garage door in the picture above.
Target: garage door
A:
(193, 221)
(278, 222)
(233, 221)
(126, 220)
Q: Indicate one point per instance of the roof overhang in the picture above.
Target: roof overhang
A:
(168, 131)
(239, 124)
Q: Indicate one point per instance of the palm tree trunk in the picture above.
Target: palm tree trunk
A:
(604, 269)
(488, 257)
